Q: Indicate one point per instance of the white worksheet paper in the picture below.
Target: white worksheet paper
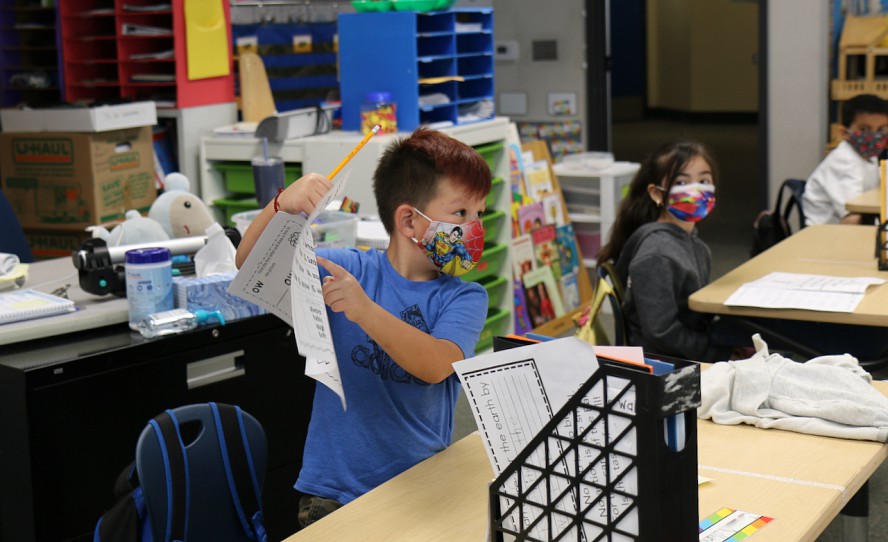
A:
(801, 291)
(514, 393)
(281, 275)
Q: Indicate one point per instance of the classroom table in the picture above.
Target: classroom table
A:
(866, 203)
(801, 481)
(828, 249)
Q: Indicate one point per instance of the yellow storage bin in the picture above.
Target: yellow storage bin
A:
(491, 262)
(497, 323)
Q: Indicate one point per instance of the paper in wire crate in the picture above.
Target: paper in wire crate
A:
(604, 468)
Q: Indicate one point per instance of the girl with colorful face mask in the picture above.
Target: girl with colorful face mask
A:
(658, 256)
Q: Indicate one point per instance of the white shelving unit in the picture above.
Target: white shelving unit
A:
(592, 198)
(322, 153)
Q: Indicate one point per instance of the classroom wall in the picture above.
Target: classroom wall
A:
(525, 21)
(797, 88)
(702, 55)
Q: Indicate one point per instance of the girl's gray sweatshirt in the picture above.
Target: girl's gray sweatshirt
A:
(661, 266)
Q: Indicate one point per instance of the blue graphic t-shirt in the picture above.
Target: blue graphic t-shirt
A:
(394, 420)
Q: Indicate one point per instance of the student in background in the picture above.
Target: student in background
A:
(398, 318)
(659, 257)
(852, 167)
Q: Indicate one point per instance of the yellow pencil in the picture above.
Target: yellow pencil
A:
(354, 151)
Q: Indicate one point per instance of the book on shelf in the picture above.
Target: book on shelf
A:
(28, 304)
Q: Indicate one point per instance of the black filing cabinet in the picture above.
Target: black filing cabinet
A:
(72, 408)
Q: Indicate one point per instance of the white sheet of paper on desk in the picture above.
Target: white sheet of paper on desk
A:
(514, 393)
(802, 291)
(281, 273)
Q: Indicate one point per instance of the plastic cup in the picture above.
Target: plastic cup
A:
(268, 177)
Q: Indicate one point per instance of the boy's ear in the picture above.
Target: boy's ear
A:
(405, 220)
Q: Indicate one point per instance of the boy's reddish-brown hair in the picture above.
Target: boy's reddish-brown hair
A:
(411, 167)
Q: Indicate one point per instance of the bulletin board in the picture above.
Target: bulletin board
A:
(551, 284)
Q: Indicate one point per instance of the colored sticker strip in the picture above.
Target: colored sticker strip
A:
(729, 525)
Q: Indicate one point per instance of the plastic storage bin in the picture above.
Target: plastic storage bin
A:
(492, 221)
(496, 324)
(335, 229)
(491, 262)
(496, 187)
(490, 152)
(243, 219)
(496, 289)
(239, 176)
(233, 206)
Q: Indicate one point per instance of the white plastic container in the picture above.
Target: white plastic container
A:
(149, 283)
(593, 160)
(243, 219)
(335, 229)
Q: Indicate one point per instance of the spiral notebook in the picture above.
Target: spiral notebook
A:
(28, 304)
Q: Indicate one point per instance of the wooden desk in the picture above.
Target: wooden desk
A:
(802, 481)
(828, 249)
(866, 203)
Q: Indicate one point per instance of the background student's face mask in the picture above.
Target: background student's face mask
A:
(691, 202)
(868, 143)
(455, 249)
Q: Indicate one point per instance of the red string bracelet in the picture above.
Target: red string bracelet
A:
(277, 206)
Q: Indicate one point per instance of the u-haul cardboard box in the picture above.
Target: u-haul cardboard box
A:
(67, 181)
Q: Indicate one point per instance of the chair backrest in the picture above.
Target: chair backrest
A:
(795, 189)
(210, 468)
(594, 330)
(13, 240)
(608, 274)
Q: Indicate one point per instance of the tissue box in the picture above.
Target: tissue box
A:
(211, 293)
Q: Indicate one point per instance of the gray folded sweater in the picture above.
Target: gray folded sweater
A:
(829, 395)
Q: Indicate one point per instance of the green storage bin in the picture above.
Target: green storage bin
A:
(496, 187)
(239, 176)
(231, 206)
(490, 152)
(497, 323)
(492, 221)
(491, 262)
(496, 288)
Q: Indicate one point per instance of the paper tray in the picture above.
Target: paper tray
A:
(615, 477)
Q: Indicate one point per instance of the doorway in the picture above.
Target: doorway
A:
(689, 70)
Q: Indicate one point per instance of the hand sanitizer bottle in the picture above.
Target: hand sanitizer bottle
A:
(176, 321)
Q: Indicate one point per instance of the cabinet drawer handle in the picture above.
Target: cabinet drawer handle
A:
(216, 369)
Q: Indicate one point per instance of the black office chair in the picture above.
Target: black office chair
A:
(772, 226)
(13, 240)
(796, 189)
(208, 445)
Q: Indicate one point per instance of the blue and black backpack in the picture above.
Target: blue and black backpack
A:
(224, 450)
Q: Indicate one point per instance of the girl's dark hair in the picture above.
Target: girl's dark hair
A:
(410, 168)
(637, 209)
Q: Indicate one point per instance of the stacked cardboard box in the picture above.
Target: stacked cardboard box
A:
(60, 183)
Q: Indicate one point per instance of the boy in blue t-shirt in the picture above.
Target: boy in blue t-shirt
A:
(399, 318)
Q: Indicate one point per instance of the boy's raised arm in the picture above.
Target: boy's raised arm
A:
(300, 197)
